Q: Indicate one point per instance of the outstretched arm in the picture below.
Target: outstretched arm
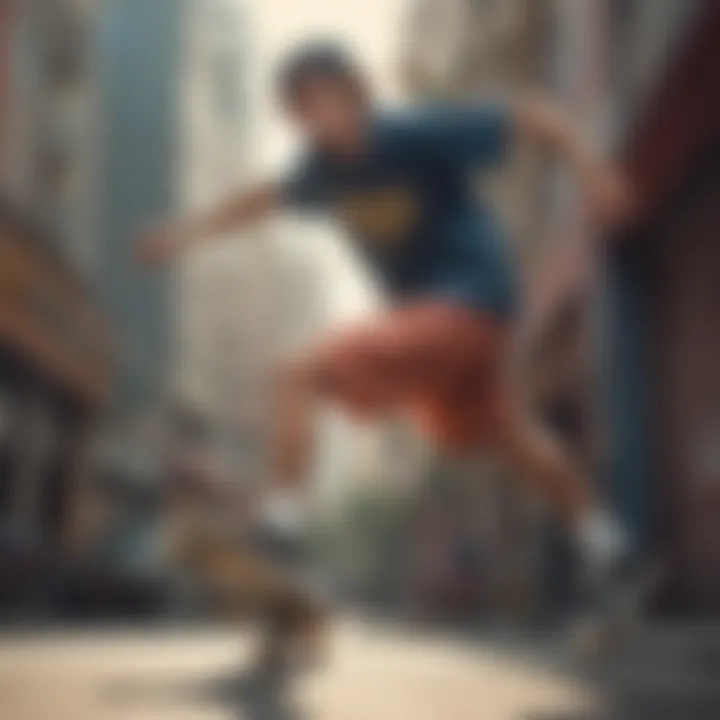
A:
(173, 238)
(604, 183)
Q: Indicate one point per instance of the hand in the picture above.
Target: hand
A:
(612, 199)
(157, 246)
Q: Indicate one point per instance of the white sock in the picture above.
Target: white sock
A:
(601, 539)
(283, 510)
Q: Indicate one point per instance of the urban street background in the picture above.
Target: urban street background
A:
(118, 386)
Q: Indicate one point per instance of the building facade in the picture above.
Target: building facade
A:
(139, 51)
(56, 341)
(50, 166)
(645, 303)
(661, 299)
(173, 141)
(224, 293)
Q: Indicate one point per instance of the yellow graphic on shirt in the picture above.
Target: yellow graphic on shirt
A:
(383, 215)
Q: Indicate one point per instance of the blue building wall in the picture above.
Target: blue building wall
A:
(629, 480)
(139, 50)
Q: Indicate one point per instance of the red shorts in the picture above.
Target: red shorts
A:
(444, 364)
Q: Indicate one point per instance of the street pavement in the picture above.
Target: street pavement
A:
(376, 672)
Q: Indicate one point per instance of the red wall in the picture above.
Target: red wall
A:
(682, 118)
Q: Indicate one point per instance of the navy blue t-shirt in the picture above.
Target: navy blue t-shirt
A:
(411, 204)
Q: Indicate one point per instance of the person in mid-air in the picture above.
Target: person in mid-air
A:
(401, 182)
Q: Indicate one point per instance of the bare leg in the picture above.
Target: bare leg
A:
(294, 619)
(616, 599)
(541, 459)
(293, 432)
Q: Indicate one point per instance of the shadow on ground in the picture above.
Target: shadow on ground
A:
(660, 672)
(670, 673)
(246, 696)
